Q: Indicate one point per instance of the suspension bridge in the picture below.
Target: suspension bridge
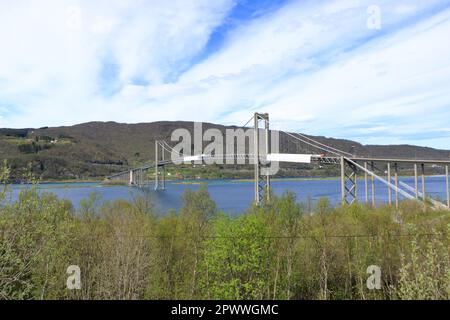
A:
(351, 167)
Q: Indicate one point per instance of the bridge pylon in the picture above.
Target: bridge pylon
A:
(160, 181)
(262, 181)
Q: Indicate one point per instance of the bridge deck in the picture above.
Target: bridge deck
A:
(295, 158)
(402, 160)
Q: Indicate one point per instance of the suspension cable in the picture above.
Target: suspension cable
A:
(322, 144)
(311, 144)
(166, 146)
(248, 122)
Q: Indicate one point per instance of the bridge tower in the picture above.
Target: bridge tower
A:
(262, 181)
(160, 183)
(131, 177)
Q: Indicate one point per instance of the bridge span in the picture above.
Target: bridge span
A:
(351, 167)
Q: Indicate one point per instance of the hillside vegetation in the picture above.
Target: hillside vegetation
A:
(97, 149)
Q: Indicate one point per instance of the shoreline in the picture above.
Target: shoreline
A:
(201, 181)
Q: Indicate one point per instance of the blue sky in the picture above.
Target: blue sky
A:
(317, 67)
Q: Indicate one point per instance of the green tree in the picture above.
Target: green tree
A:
(236, 259)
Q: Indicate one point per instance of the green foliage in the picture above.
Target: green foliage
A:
(275, 251)
(32, 249)
(5, 173)
(33, 147)
(236, 259)
(425, 272)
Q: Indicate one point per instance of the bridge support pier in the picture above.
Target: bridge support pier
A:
(416, 180)
(163, 174)
(131, 181)
(366, 182)
(372, 168)
(423, 183)
(447, 185)
(156, 165)
(137, 178)
(389, 173)
(349, 186)
(396, 186)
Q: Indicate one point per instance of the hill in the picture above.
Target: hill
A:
(97, 149)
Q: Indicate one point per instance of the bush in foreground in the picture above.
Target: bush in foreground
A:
(276, 251)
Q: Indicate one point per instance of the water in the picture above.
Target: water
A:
(231, 196)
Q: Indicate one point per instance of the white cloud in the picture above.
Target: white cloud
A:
(54, 53)
(405, 8)
(313, 68)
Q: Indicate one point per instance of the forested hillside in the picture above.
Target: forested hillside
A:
(96, 149)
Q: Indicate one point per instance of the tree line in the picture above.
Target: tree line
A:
(279, 250)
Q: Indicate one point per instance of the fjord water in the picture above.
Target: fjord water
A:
(231, 196)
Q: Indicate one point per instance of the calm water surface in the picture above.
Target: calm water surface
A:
(232, 196)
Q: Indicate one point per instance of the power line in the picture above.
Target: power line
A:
(287, 237)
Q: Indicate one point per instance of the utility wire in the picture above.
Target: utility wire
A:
(290, 237)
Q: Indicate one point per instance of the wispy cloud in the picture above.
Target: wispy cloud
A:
(314, 65)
